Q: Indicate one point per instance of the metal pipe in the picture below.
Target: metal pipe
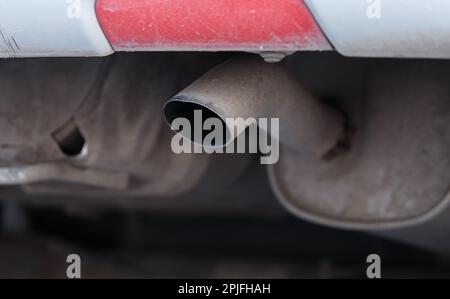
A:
(247, 87)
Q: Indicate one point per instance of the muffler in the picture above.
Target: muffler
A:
(384, 165)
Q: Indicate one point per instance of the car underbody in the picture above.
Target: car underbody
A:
(88, 103)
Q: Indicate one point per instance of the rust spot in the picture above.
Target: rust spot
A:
(344, 143)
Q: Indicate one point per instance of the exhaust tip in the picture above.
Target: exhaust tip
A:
(202, 120)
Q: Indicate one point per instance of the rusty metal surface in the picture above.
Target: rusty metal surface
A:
(123, 127)
(391, 169)
(396, 173)
(247, 87)
(96, 125)
(37, 97)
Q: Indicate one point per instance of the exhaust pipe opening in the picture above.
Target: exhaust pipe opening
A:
(197, 116)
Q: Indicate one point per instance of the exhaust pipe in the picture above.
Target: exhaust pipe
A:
(247, 87)
(352, 172)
